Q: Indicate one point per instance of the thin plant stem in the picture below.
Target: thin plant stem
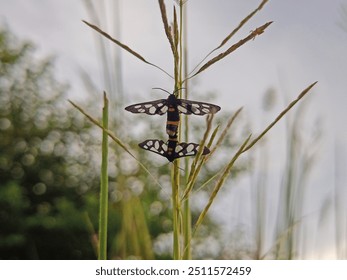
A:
(116, 140)
(285, 111)
(220, 183)
(177, 218)
(100, 45)
(258, 31)
(197, 162)
(187, 217)
(187, 220)
(104, 186)
(227, 38)
(125, 47)
(224, 132)
(173, 40)
(176, 210)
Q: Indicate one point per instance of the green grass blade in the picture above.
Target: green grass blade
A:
(103, 211)
(176, 209)
(220, 183)
(224, 132)
(198, 160)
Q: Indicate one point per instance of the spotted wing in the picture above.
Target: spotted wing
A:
(156, 146)
(156, 107)
(182, 149)
(189, 107)
(188, 149)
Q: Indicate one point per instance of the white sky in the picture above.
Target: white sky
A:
(304, 44)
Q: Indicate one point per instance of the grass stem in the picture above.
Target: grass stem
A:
(285, 111)
(176, 210)
(104, 186)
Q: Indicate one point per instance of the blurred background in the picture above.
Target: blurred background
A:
(286, 198)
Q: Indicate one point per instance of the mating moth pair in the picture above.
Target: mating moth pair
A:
(173, 107)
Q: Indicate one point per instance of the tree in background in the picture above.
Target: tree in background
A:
(44, 156)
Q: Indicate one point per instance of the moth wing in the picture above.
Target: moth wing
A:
(189, 107)
(156, 146)
(155, 107)
(189, 149)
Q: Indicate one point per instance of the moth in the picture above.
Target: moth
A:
(172, 149)
(173, 106)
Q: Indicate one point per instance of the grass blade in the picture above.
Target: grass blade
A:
(226, 39)
(198, 160)
(115, 139)
(176, 209)
(103, 210)
(224, 132)
(167, 27)
(234, 47)
(301, 95)
(125, 47)
(220, 183)
(242, 23)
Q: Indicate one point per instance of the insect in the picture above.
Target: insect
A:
(172, 149)
(173, 107)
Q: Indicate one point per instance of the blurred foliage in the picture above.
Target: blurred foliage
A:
(44, 155)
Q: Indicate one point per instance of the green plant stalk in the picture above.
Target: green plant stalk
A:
(104, 186)
(187, 215)
(175, 181)
(198, 161)
(175, 210)
(220, 183)
(187, 219)
(187, 227)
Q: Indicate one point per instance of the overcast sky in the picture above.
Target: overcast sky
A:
(304, 44)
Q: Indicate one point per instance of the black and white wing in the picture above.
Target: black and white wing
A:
(181, 150)
(155, 107)
(155, 146)
(188, 149)
(189, 107)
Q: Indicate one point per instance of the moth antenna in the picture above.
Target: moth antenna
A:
(178, 90)
(168, 91)
(181, 169)
(177, 166)
(162, 89)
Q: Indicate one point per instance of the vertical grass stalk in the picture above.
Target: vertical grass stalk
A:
(104, 186)
(176, 210)
(176, 41)
(187, 219)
